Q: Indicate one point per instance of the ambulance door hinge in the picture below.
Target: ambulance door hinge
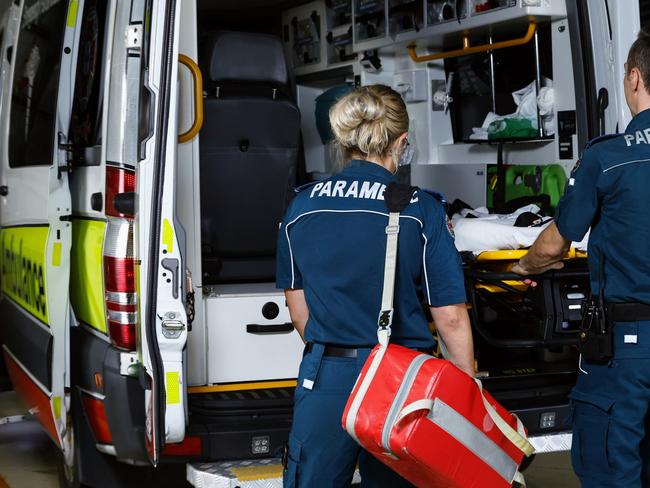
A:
(134, 37)
(129, 364)
(69, 155)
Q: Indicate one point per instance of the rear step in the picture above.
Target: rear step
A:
(249, 424)
(257, 473)
(265, 473)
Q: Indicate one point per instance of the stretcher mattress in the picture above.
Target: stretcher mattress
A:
(490, 232)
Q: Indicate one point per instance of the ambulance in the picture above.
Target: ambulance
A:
(148, 151)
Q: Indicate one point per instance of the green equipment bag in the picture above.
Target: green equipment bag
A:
(529, 181)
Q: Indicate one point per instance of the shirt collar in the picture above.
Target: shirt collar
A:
(367, 168)
(640, 121)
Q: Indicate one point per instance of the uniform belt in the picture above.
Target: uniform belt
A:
(347, 352)
(628, 312)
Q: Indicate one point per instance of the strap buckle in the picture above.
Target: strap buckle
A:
(385, 319)
(392, 229)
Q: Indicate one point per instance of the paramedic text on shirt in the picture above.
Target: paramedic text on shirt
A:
(330, 261)
(608, 191)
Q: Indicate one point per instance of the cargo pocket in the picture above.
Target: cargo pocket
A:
(591, 424)
(290, 474)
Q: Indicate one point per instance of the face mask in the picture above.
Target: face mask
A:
(406, 157)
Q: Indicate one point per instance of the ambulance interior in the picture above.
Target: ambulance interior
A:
(270, 72)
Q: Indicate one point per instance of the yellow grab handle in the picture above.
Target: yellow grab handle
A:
(198, 99)
(532, 27)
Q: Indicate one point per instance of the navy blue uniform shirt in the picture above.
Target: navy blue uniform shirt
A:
(609, 191)
(332, 244)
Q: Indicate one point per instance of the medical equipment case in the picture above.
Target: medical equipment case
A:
(433, 424)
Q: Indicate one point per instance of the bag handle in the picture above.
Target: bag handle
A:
(397, 196)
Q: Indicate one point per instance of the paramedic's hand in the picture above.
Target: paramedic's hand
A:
(521, 269)
(545, 254)
(517, 268)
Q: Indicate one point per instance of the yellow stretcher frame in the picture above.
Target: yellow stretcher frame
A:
(517, 254)
(514, 255)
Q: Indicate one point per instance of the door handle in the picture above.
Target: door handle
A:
(10, 53)
(269, 329)
(4, 190)
(198, 98)
(171, 265)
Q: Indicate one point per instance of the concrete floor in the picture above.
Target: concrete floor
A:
(28, 457)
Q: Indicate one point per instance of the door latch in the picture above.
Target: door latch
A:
(172, 327)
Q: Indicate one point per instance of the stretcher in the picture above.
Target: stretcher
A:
(507, 313)
(487, 231)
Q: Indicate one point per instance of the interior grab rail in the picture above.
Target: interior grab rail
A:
(467, 49)
(198, 98)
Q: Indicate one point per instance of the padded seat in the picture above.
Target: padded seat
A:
(249, 147)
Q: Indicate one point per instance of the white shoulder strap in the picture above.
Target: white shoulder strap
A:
(385, 319)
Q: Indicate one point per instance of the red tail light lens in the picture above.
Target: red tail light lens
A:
(118, 180)
(119, 263)
(122, 335)
(119, 274)
(96, 415)
(190, 447)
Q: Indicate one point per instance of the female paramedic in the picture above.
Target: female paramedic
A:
(330, 261)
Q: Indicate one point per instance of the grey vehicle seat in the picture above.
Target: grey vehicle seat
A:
(249, 147)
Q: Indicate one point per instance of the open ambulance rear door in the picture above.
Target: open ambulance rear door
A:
(38, 70)
(602, 32)
(163, 320)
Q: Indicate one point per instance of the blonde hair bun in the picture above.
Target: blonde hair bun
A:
(368, 120)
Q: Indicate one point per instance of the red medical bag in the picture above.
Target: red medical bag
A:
(422, 416)
(432, 423)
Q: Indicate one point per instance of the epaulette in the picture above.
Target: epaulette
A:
(436, 195)
(602, 138)
(300, 188)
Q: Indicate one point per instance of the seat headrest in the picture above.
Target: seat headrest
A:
(242, 56)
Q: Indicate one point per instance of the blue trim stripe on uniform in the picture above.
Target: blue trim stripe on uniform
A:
(626, 163)
(286, 233)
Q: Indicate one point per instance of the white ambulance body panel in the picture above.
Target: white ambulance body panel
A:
(243, 344)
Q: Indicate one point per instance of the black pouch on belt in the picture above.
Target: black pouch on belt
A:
(596, 338)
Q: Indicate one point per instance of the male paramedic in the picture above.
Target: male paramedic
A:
(609, 191)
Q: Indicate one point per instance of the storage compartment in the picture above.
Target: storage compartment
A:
(303, 35)
(439, 11)
(484, 83)
(405, 16)
(250, 335)
(369, 20)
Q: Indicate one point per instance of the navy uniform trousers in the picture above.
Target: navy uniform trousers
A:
(321, 453)
(611, 414)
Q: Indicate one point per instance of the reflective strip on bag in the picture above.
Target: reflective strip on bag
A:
(400, 398)
(473, 439)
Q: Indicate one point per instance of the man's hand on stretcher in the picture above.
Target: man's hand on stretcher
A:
(545, 254)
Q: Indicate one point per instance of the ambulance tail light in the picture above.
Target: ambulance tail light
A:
(119, 181)
(96, 415)
(119, 263)
(190, 447)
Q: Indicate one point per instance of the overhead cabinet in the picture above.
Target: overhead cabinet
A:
(318, 36)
